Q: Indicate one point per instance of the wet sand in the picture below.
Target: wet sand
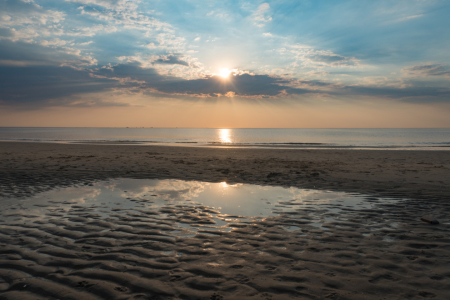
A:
(74, 252)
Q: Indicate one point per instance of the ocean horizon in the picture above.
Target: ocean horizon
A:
(396, 138)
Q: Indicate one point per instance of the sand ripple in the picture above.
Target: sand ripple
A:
(180, 252)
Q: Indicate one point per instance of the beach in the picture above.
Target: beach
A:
(409, 173)
(385, 252)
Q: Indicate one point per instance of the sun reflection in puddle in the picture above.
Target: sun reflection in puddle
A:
(191, 207)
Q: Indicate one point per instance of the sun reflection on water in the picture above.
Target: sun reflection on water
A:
(224, 136)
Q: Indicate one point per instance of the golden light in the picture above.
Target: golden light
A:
(224, 73)
(225, 185)
(224, 136)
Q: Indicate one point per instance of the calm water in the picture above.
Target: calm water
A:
(191, 205)
(242, 136)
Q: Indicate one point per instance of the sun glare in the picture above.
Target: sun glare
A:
(224, 73)
(224, 136)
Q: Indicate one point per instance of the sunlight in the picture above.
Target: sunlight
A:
(224, 136)
(224, 73)
(224, 184)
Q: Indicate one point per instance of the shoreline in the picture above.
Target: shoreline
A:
(381, 172)
(278, 146)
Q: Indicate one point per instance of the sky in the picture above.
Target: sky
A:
(225, 64)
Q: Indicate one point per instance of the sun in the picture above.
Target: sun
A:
(224, 73)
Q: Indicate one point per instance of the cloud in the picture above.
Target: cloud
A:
(52, 85)
(309, 57)
(5, 32)
(242, 84)
(171, 65)
(91, 30)
(168, 41)
(53, 42)
(54, 38)
(41, 85)
(124, 13)
(428, 69)
(34, 86)
(21, 53)
(328, 58)
(261, 15)
(27, 20)
(110, 4)
(170, 60)
(408, 94)
(409, 18)
(13, 13)
(245, 85)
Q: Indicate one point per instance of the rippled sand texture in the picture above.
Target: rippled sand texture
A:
(60, 249)
(77, 251)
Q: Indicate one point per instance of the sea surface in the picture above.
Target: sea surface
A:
(411, 138)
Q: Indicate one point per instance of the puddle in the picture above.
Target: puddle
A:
(293, 228)
(388, 239)
(187, 206)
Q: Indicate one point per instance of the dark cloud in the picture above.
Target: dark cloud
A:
(31, 74)
(328, 58)
(408, 94)
(332, 59)
(171, 60)
(428, 70)
(53, 85)
(133, 71)
(241, 85)
(26, 52)
(313, 83)
(39, 84)
(36, 54)
(5, 32)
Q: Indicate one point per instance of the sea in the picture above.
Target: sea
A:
(351, 138)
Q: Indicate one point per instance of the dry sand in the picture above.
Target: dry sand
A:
(380, 253)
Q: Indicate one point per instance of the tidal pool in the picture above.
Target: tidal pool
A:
(173, 239)
(188, 206)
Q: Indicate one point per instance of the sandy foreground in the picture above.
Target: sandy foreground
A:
(74, 252)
